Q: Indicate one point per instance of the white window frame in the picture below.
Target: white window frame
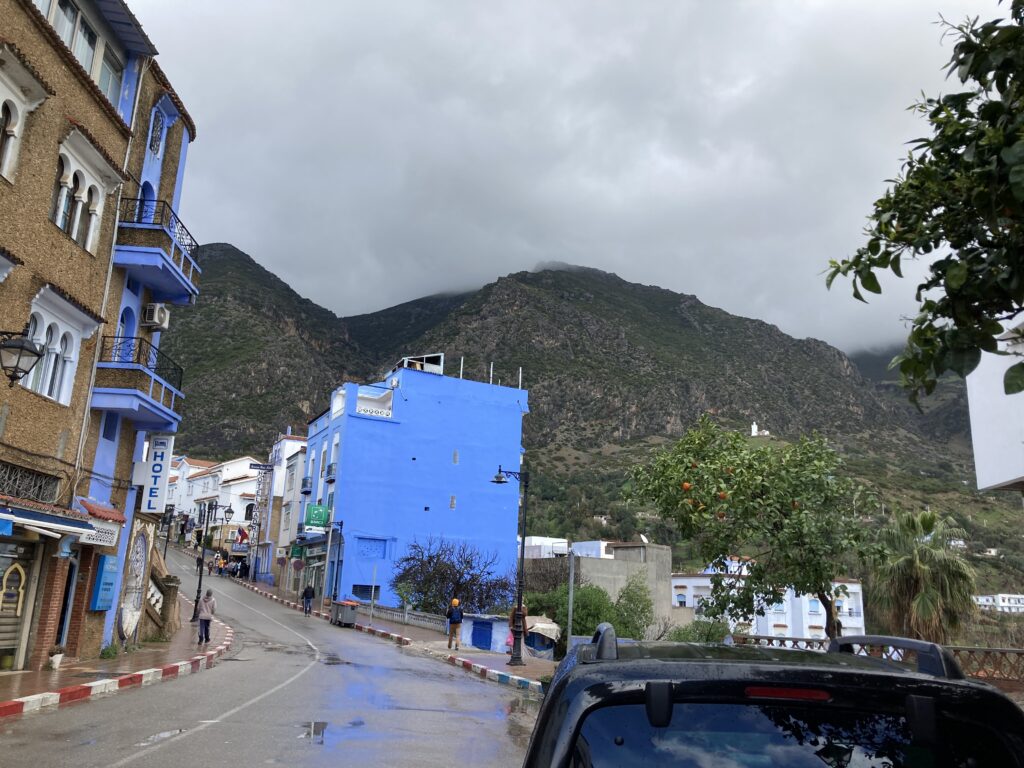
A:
(89, 179)
(54, 375)
(23, 93)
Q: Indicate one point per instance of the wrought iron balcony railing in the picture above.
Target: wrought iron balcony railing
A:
(307, 486)
(136, 210)
(332, 472)
(132, 349)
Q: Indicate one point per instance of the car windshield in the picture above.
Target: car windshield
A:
(760, 735)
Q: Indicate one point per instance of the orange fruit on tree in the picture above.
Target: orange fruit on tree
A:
(686, 486)
(723, 495)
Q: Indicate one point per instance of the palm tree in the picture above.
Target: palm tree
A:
(922, 583)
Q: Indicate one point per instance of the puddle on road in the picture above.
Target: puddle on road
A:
(332, 659)
(159, 737)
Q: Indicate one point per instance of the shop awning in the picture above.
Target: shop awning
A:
(43, 521)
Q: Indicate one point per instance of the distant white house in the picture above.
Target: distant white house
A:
(1002, 603)
(997, 419)
(547, 546)
(796, 616)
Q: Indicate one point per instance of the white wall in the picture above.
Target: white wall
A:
(997, 424)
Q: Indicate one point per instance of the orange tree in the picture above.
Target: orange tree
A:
(788, 507)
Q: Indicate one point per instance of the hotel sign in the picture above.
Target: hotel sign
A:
(157, 471)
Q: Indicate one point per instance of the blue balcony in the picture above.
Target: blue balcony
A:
(332, 472)
(156, 249)
(139, 382)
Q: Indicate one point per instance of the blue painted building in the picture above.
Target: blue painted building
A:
(408, 458)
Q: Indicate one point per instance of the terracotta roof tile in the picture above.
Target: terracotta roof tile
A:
(103, 512)
(39, 506)
(75, 302)
(116, 166)
(27, 65)
(201, 462)
(200, 474)
(158, 73)
(10, 256)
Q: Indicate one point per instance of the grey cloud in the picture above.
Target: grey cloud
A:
(371, 153)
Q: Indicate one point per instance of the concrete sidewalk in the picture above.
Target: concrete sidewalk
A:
(80, 680)
(486, 664)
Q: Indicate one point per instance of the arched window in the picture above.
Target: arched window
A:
(249, 510)
(87, 215)
(6, 133)
(53, 388)
(40, 373)
(66, 214)
(59, 191)
(156, 132)
(125, 344)
(148, 205)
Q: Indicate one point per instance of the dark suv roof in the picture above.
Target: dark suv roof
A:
(613, 703)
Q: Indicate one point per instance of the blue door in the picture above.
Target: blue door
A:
(482, 631)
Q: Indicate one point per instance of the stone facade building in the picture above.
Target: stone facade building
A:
(92, 147)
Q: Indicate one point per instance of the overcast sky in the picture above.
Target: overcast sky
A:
(370, 153)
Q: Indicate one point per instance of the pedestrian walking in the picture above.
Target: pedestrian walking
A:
(209, 567)
(307, 599)
(220, 566)
(454, 616)
(207, 609)
(199, 564)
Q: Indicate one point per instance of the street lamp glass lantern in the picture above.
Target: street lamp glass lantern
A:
(228, 514)
(499, 479)
(18, 356)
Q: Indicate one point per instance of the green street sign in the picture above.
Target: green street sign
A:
(296, 552)
(317, 515)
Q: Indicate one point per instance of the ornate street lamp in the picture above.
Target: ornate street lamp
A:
(518, 628)
(18, 354)
(206, 514)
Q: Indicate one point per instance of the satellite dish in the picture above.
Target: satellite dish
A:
(393, 383)
(644, 539)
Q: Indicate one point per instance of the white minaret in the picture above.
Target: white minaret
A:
(753, 429)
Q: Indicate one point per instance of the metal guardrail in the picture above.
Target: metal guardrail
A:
(133, 349)
(982, 663)
(137, 210)
(405, 616)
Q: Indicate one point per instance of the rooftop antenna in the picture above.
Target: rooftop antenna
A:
(491, 379)
(461, 361)
(520, 377)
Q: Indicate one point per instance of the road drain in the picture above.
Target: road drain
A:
(313, 730)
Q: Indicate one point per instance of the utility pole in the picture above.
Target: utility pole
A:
(572, 587)
(169, 517)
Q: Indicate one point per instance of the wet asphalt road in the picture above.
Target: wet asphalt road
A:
(296, 692)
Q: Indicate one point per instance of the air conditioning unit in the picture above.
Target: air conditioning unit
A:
(156, 316)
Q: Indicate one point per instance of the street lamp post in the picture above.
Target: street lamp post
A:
(228, 514)
(169, 517)
(18, 354)
(518, 629)
(205, 514)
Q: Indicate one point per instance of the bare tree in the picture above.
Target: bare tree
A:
(432, 572)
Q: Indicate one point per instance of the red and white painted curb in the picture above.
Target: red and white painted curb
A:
(493, 675)
(325, 616)
(73, 693)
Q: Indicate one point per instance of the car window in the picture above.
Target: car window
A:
(746, 735)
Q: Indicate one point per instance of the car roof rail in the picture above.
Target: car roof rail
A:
(605, 642)
(932, 658)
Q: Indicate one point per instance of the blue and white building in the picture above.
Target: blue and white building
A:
(411, 457)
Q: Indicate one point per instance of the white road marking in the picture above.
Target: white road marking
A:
(204, 724)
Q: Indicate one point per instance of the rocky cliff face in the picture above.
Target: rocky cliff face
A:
(606, 361)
